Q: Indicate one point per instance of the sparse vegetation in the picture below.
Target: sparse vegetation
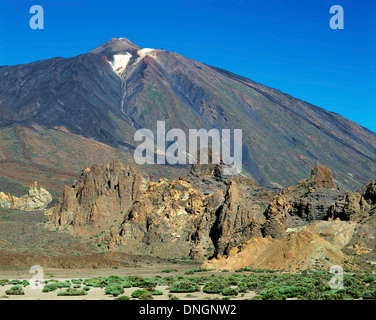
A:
(305, 285)
(169, 270)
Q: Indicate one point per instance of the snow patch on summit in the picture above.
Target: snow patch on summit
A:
(143, 52)
(120, 62)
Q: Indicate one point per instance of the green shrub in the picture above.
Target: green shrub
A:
(272, 294)
(369, 279)
(123, 298)
(291, 291)
(214, 286)
(137, 293)
(72, 292)
(51, 286)
(95, 282)
(115, 289)
(169, 270)
(230, 292)
(146, 296)
(125, 284)
(156, 292)
(76, 281)
(15, 290)
(25, 283)
(253, 284)
(369, 295)
(3, 282)
(173, 298)
(113, 279)
(63, 284)
(190, 272)
(184, 287)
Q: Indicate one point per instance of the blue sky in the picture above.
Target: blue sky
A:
(285, 44)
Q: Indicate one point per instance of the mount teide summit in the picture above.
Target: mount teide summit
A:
(93, 103)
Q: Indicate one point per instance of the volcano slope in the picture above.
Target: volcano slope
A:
(54, 113)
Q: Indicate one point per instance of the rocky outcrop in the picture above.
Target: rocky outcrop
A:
(98, 197)
(308, 201)
(36, 199)
(159, 220)
(120, 209)
(317, 246)
(196, 216)
(356, 206)
(227, 222)
(234, 221)
(321, 177)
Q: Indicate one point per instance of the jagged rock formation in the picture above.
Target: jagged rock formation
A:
(36, 199)
(100, 192)
(122, 210)
(202, 216)
(119, 207)
(231, 223)
(356, 206)
(308, 201)
(158, 221)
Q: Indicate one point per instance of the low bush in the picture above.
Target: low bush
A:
(214, 286)
(272, 294)
(369, 295)
(15, 290)
(76, 281)
(95, 282)
(369, 279)
(72, 292)
(169, 270)
(230, 292)
(115, 289)
(156, 292)
(51, 286)
(63, 284)
(3, 282)
(146, 296)
(139, 292)
(184, 287)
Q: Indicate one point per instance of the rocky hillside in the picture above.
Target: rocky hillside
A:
(205, 215)
(61, 106)
(190, 216)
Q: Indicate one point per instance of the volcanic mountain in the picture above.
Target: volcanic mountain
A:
(62, 114)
